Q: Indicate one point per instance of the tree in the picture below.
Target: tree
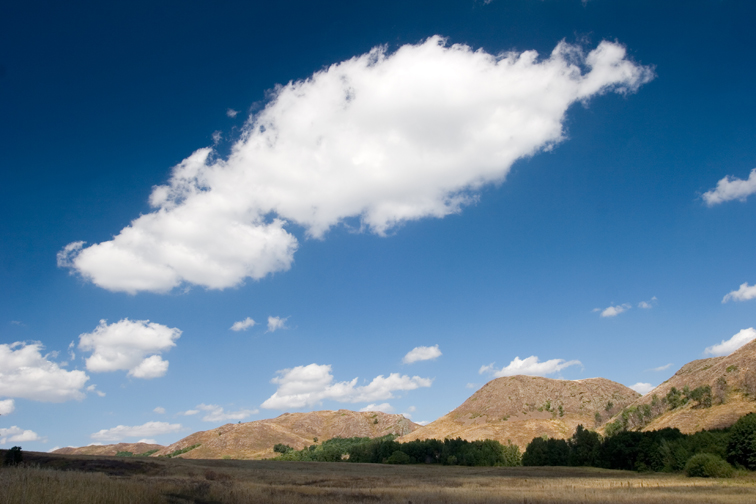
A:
(741, 448)
(13, 457)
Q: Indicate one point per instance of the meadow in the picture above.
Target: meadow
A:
(76, 479)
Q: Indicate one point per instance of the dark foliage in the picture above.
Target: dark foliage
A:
(13, 457)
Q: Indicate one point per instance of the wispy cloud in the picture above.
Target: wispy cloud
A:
(731, 188)
(215, 413)
(243, 325)
(529, 366)
(339, 145)
(613, 311)
(138, 431)
(231, 113)
(276, 323)
(159, 410)
(309, 385)
(383, 407)
(422, 353)
(661, 368)
(648, 304)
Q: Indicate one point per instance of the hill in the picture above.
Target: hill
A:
(519, 408)
(255, 440)
(710, 394)
(112, 449)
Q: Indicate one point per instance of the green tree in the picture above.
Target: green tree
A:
(741, 449)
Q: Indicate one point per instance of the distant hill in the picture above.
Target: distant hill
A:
(520, 408)
(727, 391)
(255, 440)
(112, 449)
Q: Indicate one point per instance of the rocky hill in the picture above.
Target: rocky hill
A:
(255, 440)
(710, 394)
(112, 449)
(519, 408)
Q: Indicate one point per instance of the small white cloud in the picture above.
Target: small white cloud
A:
(138, 431)
(276, 323)
(231, 112)
(732, 344)
(529, 366)
(731, 188)
(190, 412)
(662, 368)
(215, 413)
(17, 435)
(7, 407)
(423, 422)
(308, 385)
(53, 449)
(132, 345)
(25, 373)
(159, 410)
(383, 407)
(411, 409)
(243, 325)
(744, 293)
(422, 353)
(648, 304)
(642, 388)
(613, 311)
(477, 385)
(148, 441)
(217, 137)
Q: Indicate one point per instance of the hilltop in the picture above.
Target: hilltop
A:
(519, 408)
(719, 391)
(255, 440)
(112, 449)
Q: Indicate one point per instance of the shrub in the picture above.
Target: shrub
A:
(13, 457)
(282, 448)
(398, 457)
(708, 465)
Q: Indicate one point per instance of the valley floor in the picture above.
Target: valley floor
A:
(77, 479)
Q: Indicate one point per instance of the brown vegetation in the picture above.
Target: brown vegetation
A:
(520, 408)
(255, 440)
(125, 480)
(112, 449)
(732, 380)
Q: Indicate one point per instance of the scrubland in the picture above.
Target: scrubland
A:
(76, 479)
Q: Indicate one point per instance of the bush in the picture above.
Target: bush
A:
(398, 457)
(13, 457)
(282, 448)
(708, 465)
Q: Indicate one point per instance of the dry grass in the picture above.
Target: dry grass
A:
(112, 480)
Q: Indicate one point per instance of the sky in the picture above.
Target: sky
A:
(221, 212)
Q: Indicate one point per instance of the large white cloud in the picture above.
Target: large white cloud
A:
(529, 366)
(309, 385)
(26, 373)
(17, 435)
(132, 345)
(744, 293)
(422, 353)
(138, 431)
(726, 347)
(384, 138)
(731, 188)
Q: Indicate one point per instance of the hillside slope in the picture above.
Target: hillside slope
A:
(519, 408)
(112, 449)
(732, 383)
(255, 440)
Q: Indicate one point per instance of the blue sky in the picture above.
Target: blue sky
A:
(407, 198)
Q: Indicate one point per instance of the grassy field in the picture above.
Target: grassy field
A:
(76, 479)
